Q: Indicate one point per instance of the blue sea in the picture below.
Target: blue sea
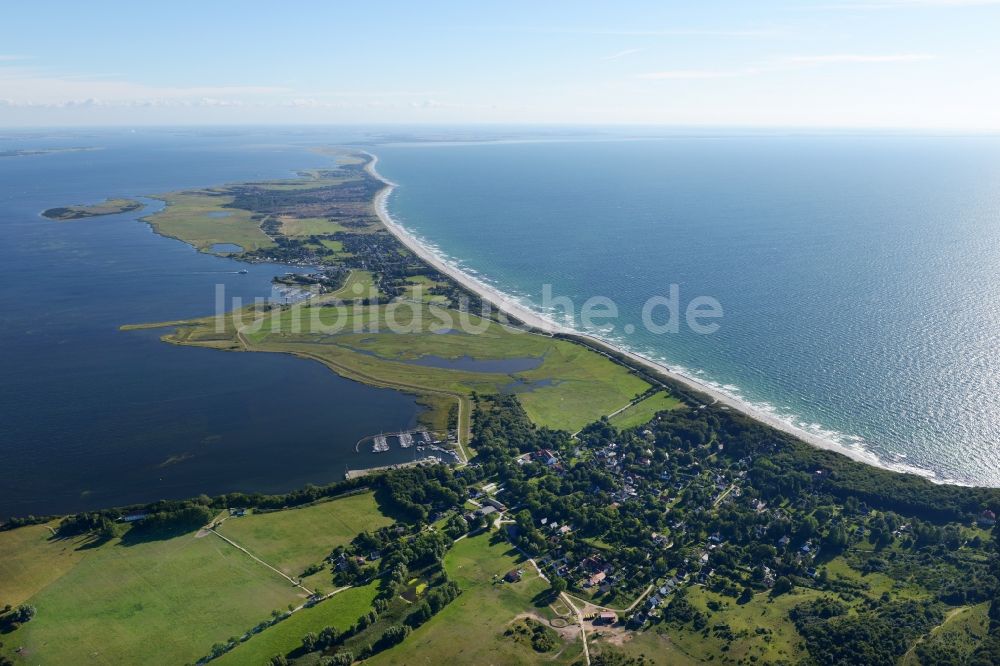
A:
(859, 276)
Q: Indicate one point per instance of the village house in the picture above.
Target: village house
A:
(596, 579)
(495, 503)
(606, 617)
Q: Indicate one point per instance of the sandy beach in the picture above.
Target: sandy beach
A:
(514, 309)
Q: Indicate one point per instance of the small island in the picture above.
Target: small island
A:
(106, 207)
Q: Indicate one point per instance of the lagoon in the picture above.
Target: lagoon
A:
(94, 417)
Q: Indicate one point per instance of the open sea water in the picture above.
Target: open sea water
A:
(859, 276)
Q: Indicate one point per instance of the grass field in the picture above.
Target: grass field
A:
(655, 646)
(308, 226)
(470, 629)
(359, 284)
(340, 611)
(292, 539)
(187, 218)
(642, 412)
(201, 218)
(30, 561)
(115, 603)
(333, 245)
(963, 629)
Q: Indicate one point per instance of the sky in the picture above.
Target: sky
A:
(906, 64)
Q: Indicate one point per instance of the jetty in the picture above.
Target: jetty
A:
(356, 473)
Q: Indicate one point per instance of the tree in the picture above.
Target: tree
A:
(277, 660)
(422, 613)
(393, 635)
(782, 586)
(329, 636)
(558, 585)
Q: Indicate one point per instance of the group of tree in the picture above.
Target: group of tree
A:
(12, 618)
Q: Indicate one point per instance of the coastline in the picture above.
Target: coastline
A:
(517, 310)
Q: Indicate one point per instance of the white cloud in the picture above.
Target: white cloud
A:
(639, 32)
(26, 86)
(835, 58)
(692, 74)
(785, 63)
(621, 54)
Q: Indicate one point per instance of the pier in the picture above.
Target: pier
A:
(357, 473)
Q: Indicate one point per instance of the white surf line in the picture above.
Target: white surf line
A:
(511, 307)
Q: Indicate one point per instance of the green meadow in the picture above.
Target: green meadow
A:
(470, 630)
(308, 226)
(187, 217)
(570, 387)
(293, 539)
(339, 611)
(31, 560)
(114, 604)
(644, 410)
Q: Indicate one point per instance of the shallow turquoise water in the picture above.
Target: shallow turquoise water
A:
(858, 275)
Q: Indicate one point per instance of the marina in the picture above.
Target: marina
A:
(420, 438)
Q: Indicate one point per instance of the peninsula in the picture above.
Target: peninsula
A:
(600, 509)
(79, 212)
